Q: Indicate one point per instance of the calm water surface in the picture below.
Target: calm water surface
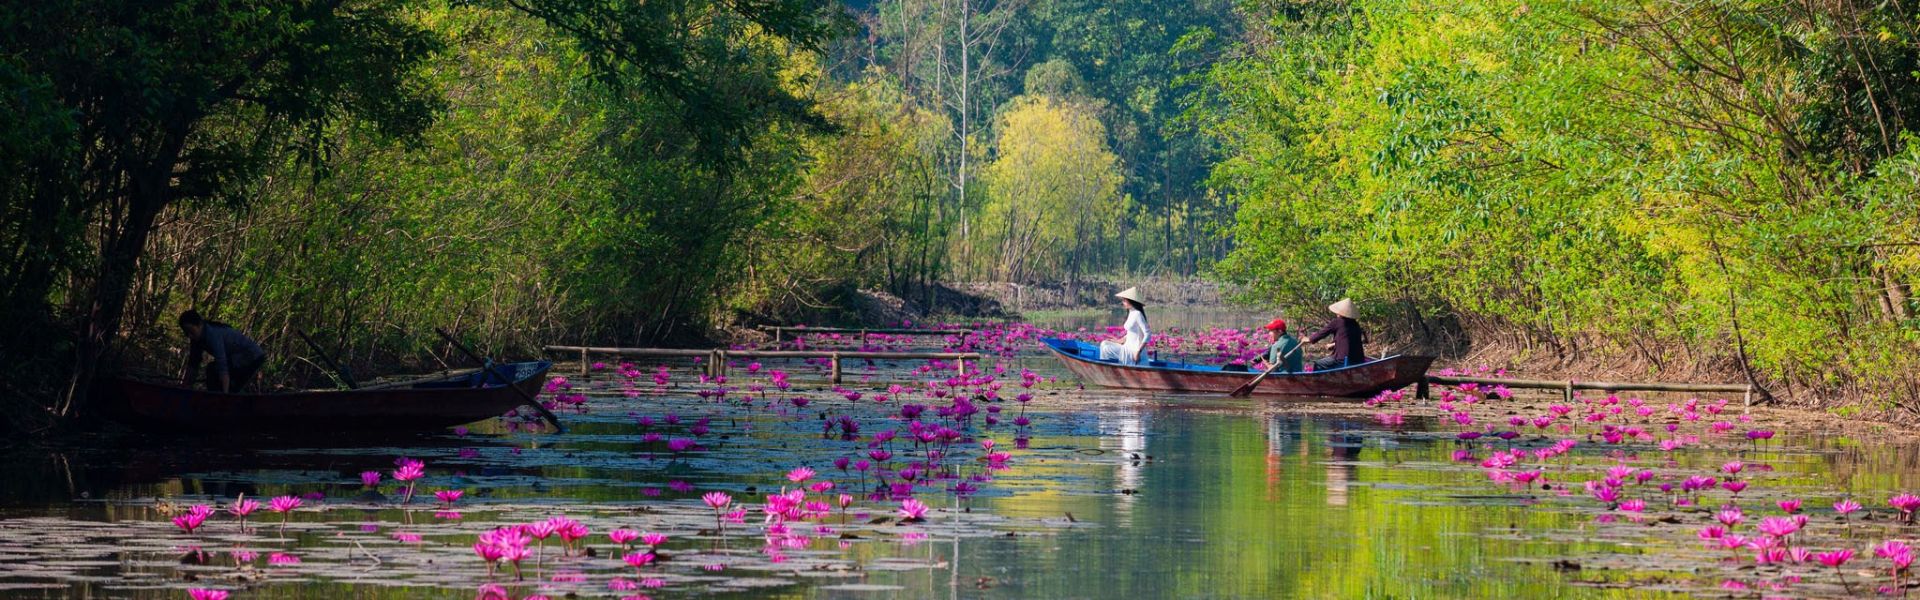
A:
(1115, 495)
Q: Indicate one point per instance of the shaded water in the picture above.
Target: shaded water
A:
(1114, 494)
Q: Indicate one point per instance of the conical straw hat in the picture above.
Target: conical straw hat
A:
(1343, 308)
(1132, 293)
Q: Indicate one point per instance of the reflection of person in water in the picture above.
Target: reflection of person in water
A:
(1129, 429)
(1281, 430)
(1342, 449)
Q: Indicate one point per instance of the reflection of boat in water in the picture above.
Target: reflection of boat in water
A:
(1358, 381)
(417, 405)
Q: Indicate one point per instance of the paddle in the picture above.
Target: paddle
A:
(1246, 389)
(345, 377)
(544, 413)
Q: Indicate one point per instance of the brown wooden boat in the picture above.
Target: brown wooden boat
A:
(416, 405)
(1357, 381)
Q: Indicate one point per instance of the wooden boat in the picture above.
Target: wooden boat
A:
(1357, 381)
(416, 405)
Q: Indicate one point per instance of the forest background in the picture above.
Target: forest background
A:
(1720, 187)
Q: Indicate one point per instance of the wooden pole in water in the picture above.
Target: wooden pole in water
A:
(835, 358)
(583, 362)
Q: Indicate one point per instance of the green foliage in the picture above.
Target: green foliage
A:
(1053, 191)
(1658, 181)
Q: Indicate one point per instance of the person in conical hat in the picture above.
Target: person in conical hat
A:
(1348, 346)
(1127, 349)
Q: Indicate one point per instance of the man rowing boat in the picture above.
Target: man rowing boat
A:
(1284, 350)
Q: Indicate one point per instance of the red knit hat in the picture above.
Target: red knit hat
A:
(1276, 325)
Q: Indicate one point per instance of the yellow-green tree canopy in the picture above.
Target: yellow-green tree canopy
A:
(1053, 189)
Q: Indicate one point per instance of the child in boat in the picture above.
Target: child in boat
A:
(1127, 350)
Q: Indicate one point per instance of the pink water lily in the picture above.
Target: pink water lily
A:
(1846, 507)
(449, 496)
(638, 559)
(243, 507)
(284, 505)
(1907, 504)
(913, 510)
(206, 594)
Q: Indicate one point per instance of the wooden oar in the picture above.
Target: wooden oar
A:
(345, 377)
(544, 413)
(1246, 389)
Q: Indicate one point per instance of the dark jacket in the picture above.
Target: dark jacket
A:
(1349, 341)
(229, 348)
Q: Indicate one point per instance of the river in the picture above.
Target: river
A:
(1103, 494)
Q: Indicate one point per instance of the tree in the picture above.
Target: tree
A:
(1053, 191)
(133, 108)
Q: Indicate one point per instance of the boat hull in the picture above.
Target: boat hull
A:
(1358, 381)
(422, 405)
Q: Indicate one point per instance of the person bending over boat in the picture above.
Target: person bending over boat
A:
(1127, 350)
(1349, 340)
(236, 357)
(1285, 349)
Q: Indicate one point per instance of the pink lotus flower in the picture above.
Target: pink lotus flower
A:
(206, 594)
(800, 474)
(370, 478)
(716, 500)
(1906, 503)
(1732, 468)
(243, 507)
(282, 560)
(1896, 552)
(1835, 558)
(1846, 507)
(1779, 527)
(1735, 486)
(189, 521)
(654, 539)
(913, 510)
(409, 470)
(638, 559)
(1730, 517)
(284, 505)
(1790, 506)
(1634, 505)
(623, 536)
(449, 496)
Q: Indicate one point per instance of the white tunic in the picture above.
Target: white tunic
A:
(1128, 350)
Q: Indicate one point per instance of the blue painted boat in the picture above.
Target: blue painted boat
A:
(1356, 381)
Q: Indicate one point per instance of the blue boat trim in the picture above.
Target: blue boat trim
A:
(1090, 353)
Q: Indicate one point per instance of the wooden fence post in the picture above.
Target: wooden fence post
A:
(836, 367)
(583, 362)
